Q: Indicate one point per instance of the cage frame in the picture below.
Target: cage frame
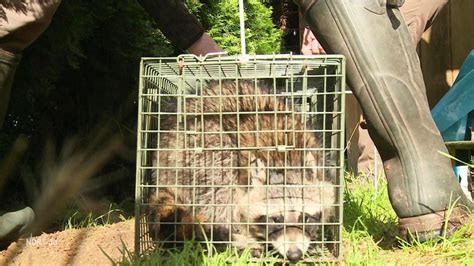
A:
(189, 60)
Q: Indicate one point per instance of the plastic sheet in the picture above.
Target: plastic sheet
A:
(454, 110)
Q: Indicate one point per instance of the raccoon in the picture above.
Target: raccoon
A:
(285, 210)
(220, 176)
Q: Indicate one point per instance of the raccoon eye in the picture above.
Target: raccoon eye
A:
(312, 218)
(277, 219)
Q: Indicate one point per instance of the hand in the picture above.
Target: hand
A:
(310, 44)
(204, 45)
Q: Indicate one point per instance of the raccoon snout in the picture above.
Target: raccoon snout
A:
(294, 255)
(292, 244)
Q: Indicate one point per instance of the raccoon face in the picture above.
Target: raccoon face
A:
(285, 210)
(289, 233)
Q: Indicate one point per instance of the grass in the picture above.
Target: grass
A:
(369, 233)
(77, 219)
(192, 254)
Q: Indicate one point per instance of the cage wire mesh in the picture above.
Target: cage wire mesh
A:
(242, 155)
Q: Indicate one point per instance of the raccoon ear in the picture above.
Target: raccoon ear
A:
(257, 172)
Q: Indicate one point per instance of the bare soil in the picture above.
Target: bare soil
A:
(72, 247)
(83, 247)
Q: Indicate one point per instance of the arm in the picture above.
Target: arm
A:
(310, 44)
(179, 26)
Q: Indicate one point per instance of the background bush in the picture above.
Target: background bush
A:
(81, 75)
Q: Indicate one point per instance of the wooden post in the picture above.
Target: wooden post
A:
(445, 46)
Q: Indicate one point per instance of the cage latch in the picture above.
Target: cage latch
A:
(282, 148)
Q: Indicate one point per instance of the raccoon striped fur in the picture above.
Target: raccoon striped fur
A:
(220, 173)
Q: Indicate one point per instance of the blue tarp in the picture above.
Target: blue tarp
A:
(453, 113)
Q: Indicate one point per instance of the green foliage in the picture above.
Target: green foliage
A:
(80, 75)
(368, 209)
(86, 63)
(193, 253)
(76, 218)
(221, 18)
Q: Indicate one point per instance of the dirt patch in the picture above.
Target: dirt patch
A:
(72, 247)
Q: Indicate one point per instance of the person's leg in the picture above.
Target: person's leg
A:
(385, 75)
(21, 23)
(419, 16)
(353, 116)
(8, 64)
(362, 156)
(361, 153)
(369, 162)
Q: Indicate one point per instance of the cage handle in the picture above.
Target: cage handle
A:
(244, 57)
(199, 58)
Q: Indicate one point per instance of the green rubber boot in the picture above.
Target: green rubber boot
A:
(15, 224)
(8, 64)
(384, 73)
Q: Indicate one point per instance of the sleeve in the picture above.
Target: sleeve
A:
(174, 21)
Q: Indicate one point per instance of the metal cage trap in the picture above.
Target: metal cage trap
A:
(242, 154)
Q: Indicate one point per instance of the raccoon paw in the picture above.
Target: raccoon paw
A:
(256, 251)
(242, 242)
